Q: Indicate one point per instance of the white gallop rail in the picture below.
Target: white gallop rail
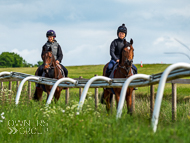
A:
(55, 86)
(124, 91)
(21, 85)
(160, 91)
(83, 96)
(5, 73)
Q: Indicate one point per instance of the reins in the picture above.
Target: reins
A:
(126, 70)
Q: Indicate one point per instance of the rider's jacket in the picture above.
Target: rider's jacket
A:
(56, 50)
(116, 49)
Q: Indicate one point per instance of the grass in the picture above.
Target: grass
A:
(58, 123)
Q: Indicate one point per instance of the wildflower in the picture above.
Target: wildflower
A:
(77, 113)
(63, 111)
(67, 108)
(73, 106)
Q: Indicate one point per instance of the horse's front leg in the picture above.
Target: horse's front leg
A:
(57, 94)
(106, 95)
(129, 100)
(117, 96)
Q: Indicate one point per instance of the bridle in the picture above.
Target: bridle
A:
(49, 66)
(126, 69)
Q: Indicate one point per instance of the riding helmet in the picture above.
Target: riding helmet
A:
(123, 29)
(50, 33)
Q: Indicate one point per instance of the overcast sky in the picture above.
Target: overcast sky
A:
(86, 28)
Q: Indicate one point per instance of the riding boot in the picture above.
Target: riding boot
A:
(108, 72)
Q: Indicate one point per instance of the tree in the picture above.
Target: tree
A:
(11, 59)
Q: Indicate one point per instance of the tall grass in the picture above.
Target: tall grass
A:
(58, 122)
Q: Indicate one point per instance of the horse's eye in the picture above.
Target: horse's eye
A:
(128, 48)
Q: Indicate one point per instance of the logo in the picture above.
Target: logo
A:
(25, 127)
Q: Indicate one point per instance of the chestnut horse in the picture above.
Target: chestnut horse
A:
(124, 70)
(51, 70)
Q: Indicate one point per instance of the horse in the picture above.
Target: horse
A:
(124, 70)
(51, 70)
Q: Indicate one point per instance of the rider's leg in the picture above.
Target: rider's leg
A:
(110, 67)
(65, 70)
(135, 72)
(134, 69)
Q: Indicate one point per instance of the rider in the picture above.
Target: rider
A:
(56, 50)
(116, 49)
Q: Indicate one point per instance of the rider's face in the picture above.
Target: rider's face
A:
(50, 38)
(121, 35)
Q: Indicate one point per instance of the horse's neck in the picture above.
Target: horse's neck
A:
(121, 72)
(57, 73)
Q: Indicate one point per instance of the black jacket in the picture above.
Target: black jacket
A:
(116, 49)
(59, 52)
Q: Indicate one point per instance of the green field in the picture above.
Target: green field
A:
(37, 123)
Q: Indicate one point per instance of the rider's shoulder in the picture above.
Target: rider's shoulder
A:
(114, 41)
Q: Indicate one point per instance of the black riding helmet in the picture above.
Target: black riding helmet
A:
(50, 33)
(123, 29)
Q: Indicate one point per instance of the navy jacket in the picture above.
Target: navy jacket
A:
(116, 49)
(59, 52)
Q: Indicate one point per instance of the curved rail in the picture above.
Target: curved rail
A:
(21, 85)
(83, 96)
(55, 86)
(160, 91)
(5, 73)
(124, 90)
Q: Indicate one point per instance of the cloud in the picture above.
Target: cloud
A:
(29, 55)
(86, 29)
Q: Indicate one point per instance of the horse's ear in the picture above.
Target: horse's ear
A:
(50, 49)
(125, 41)
(131, 41)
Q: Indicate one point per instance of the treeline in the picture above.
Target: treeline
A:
(11, 59)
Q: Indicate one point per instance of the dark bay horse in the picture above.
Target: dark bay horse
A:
(51, 70)
(124, 70)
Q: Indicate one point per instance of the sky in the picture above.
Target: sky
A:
(86, 28)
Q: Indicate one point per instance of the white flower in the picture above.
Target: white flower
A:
(63, 111)
(67, 108)
(77, 113)
(2, 114)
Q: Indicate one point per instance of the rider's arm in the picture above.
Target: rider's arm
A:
(112, 50)
(42, 52)
(59, 54)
